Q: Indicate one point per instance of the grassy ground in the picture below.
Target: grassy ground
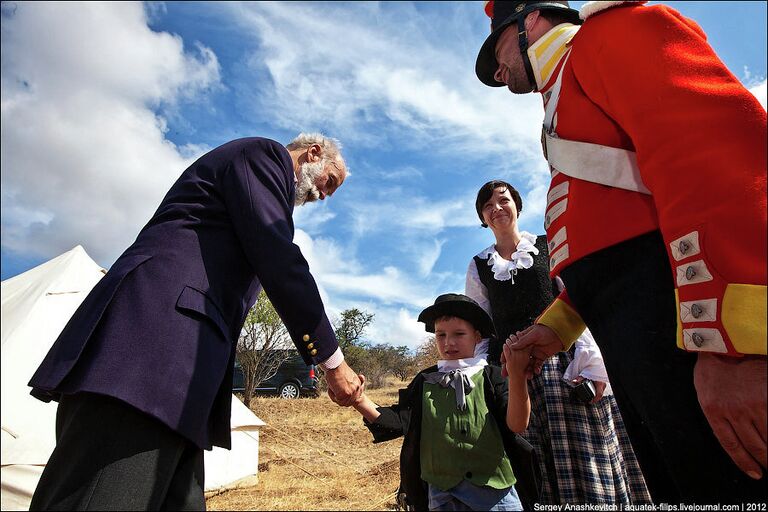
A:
(314, 455)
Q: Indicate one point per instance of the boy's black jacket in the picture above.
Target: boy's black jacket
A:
(404, 418)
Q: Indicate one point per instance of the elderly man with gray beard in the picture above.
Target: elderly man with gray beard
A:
(143, 370)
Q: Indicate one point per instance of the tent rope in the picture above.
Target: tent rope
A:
(297, 465)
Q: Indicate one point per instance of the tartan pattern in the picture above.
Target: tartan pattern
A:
(584, 450)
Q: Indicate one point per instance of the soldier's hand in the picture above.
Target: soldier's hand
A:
(732, 394)
(542, 342)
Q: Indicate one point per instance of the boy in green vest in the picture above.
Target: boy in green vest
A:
(459, 419)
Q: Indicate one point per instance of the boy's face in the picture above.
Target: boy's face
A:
(456, 338)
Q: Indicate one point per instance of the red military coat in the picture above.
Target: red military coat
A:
(643, 78)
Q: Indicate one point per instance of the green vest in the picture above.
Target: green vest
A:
(458, 445)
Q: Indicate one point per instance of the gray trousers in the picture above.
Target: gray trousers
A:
(111, 456)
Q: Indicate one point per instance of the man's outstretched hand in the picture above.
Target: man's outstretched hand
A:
(344, 385)
(732, 394)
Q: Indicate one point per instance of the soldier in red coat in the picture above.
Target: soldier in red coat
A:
(656, 222)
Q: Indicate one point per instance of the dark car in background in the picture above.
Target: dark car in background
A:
(292, 379)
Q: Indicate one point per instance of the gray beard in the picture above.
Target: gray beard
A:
(306, 190)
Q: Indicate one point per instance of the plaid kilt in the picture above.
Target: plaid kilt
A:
(583, 449)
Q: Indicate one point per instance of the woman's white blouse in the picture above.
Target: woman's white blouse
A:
(587, 359)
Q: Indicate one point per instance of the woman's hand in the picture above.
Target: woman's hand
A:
(599, 387)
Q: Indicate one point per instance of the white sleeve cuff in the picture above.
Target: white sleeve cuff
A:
(588, 362)
(334, 361)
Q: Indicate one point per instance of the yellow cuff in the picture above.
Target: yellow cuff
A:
(564, 320)
(679, 334)
(743, 317)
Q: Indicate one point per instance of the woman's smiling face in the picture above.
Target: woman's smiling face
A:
(500, 212)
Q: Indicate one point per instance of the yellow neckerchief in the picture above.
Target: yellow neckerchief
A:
(548, 50)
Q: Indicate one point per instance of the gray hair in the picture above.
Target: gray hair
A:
(331, 147)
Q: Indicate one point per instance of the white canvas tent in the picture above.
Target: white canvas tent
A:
(36, 306)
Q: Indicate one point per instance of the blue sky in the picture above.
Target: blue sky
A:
(102, 112)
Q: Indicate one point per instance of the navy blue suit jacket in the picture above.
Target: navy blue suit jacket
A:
(159, 330)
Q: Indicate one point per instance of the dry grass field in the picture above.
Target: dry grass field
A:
(314, 455)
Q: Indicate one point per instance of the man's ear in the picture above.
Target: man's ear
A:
(531, 19)
(314, 153)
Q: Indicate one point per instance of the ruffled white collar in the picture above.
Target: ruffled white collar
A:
(503, 269)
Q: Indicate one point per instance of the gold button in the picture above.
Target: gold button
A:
(314, 352)
(306, 337)
(311, 345)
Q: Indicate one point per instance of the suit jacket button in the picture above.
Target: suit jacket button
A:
(305, 337)
(314, 352)
(697, 339)
(310, 345)
(690, 272)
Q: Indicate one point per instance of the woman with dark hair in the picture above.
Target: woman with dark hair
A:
(576, 429)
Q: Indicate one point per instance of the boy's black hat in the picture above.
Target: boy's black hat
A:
(460, 306)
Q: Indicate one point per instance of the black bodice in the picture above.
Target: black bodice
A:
(516, 305)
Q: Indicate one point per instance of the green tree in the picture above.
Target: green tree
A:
(426, 354)
(404, 365)
(263, 345)
(384, 359)
(350, 328)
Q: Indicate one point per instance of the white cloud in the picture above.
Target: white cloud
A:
(84, 157)
(339, 273)
(393, 69)
(402, 173)
(759, 91)
(396, 209)
(397, 326)
(393, 325)
(389, 286)
(313, 216)
(390, 294)
(428, 257)
(393, 295)
(756, 84)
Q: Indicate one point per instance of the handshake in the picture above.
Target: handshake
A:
(344, 386)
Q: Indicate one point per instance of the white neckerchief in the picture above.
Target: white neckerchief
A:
(470, 365)
(456, 373)
(503, 269)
